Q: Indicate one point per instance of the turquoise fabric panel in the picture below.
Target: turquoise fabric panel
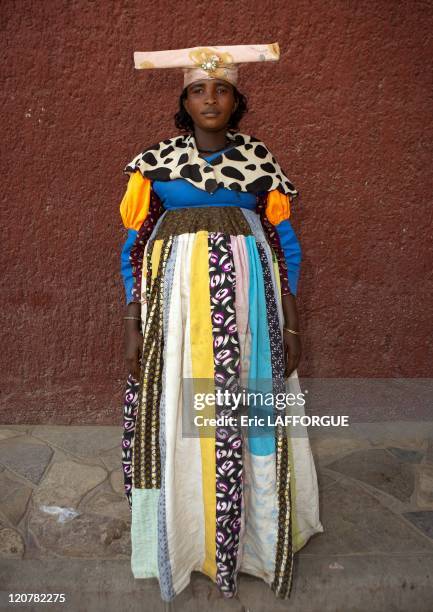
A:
(144, 533)
(261, 438)
(125, 264)
(292, 252)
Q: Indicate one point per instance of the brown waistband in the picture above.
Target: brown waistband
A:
(225, 219)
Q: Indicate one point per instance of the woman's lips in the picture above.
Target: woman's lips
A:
(211, 114)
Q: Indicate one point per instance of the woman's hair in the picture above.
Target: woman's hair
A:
(183, 121)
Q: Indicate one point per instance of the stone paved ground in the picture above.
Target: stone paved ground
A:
(64, 525)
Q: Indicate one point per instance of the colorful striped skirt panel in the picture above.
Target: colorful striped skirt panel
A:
(230, 500)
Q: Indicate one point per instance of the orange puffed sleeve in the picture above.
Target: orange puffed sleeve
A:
(135, 204)
(277, 207)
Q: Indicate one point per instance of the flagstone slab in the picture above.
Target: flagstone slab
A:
(398, 441)
(14, 497)
(423, 520)
(402, 434)
(328, 448)
(108, 504)
(81, 441)
(380, 469)
(424, 488)
(117, 482)
(324, 480)
(25, 456)
(11, 542)
(406, 455)
(113, 458)
(429, 452)
(9, 433)
(67, 482)
(356, 522)
(23, 429)
(90, 535)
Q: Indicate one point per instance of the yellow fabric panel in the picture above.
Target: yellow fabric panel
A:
(277, 276)
(203, 374)
(134, 206)
(155, 257)
(277, 207)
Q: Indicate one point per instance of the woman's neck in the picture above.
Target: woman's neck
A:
(210, 141)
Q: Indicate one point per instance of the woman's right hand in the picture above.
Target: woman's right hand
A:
(133, 340)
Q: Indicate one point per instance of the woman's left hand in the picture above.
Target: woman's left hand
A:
(292, 352)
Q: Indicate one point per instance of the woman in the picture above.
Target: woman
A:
(210, 268)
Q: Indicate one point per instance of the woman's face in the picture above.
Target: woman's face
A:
(210, 104)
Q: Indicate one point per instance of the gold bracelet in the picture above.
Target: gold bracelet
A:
(292, 331)
(133, 318)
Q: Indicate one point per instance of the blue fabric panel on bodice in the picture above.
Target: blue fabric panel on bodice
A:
(180, 193)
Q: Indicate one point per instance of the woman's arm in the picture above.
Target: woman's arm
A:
(274, 210)
(140, 209)
(133, 339)
(291, 341)
(292, 255)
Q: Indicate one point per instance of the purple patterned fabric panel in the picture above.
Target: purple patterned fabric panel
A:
(228, 440)
(130, 408)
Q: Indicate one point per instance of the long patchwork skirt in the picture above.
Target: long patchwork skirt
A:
(229, 498)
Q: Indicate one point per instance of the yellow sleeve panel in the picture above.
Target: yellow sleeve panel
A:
(277, 207)
(135, 204)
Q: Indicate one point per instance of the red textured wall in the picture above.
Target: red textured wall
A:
(347, 112)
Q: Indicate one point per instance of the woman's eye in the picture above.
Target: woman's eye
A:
(200, 90)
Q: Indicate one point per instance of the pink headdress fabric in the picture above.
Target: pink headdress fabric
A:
(199, 63)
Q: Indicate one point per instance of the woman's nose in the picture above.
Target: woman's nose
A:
(210, 98)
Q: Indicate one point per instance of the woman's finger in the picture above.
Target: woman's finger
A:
(292, 359)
